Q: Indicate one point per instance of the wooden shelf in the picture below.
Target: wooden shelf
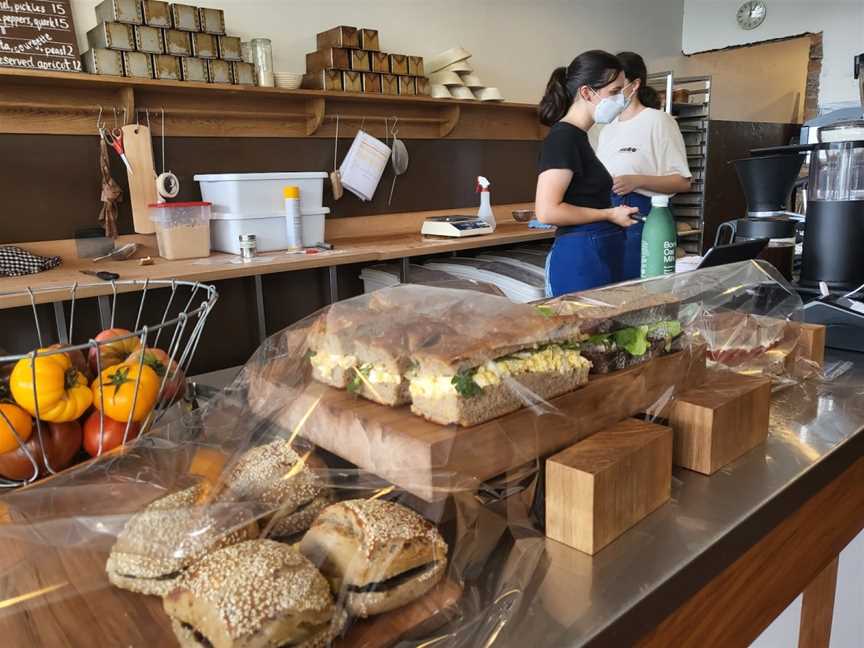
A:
(36, 102)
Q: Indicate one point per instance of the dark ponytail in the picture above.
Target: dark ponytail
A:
(594, 68)
(634, 68)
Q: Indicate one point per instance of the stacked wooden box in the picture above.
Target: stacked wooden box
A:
(151, 39)
(350, 59)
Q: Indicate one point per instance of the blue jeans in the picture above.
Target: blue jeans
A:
(583, 260)
(632, 234)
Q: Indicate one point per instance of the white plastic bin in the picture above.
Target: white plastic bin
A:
(260, 194)
(313, 228)
(182, 229)
(269, 230)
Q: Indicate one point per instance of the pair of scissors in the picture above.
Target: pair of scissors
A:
(115, 139)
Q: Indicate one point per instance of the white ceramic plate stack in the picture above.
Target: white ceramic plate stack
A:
(453, 77)
(288, 80)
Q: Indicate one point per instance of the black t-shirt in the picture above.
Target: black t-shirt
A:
(567, 147)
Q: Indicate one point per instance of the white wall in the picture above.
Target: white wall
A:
(711, 24)
(516, 43)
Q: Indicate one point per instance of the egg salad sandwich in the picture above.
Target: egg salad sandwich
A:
(377, 555)
(624, 325)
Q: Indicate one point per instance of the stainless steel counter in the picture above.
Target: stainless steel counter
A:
(616, 596)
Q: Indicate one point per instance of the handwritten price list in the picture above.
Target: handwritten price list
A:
(38, 36)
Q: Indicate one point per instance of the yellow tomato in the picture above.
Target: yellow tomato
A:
(114, 392)
(60, 390)
(14, 418)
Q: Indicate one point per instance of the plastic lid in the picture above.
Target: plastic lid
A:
(164, 205)
(659, 201)
(291, 192)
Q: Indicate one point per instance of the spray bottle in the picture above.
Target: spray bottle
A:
(485, 212)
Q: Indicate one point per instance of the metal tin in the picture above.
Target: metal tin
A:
(380, 62)
(185, 18)
(229, 48)
(177, 43)
(389, 84)
(359, 60)
(371, 83)
(398, 64)
(369, 40)
(156, 13)
(112, 35)
(243, 73)
(352, 81)
(342, 36)
(248, 246)
(212, 21)
(122, 11)
(415, 66)
(329, 58)
(103, 61)
(407, 86)
(422, 85)
(194, 69)
(149, 39)
(219, 71)
(167, 67)
(138, 65)
(323, 80)
(205, 46)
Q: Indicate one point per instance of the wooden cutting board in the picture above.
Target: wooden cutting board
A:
(431, 461)
(142, 181)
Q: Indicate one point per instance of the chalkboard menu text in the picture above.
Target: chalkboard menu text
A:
(38, 35)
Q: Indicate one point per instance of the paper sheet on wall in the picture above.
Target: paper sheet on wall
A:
(363, 166)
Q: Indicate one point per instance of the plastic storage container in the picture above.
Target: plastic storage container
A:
(313, 228)
(269, 229)
(182, 229)
(260, 194)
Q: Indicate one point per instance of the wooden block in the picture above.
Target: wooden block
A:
(600, 487)
(339, 37)
(329, 58)
(415, 65)
(371, 83)
(811, 342)
(398, 64)
(360, 60)
(380, 62)
(369, 40)
(390, 84)
(352, 81)
(720, 420)
(422, 84)
(323, 80)
(407, 86)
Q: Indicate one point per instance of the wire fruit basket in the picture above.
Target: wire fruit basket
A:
(101, 393)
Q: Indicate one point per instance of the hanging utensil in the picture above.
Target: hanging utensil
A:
(167, 184)
(138, 142)
(335, 176)
(121, 253)
(399, 157)
(111, 193)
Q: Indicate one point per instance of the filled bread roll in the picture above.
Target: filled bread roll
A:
(254, 594)
(159, 543)
(377, 555)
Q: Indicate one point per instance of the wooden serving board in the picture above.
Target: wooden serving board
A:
(431, 461)
(61, 597)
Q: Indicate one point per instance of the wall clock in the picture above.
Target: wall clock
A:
(751, 14)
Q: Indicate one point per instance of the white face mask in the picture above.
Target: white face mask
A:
(610, 107)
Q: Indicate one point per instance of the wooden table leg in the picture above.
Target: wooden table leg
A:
(817, 610)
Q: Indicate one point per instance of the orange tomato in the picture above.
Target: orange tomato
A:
(14, 418)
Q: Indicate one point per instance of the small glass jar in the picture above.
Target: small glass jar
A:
(248, 246)
(262, 57)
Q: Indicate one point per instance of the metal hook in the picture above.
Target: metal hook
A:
(116, 122)
(99, 123)
(362, 123)
(394, 129)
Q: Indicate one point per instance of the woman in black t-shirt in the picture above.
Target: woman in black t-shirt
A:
(574, 188)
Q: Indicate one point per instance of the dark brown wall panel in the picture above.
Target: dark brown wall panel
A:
(50, 183)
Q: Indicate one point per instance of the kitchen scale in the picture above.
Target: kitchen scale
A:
(455, 226)
(843, 318)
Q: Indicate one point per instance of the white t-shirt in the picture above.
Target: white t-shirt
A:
(648, 144)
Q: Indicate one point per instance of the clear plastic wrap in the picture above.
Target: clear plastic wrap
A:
(516, 389)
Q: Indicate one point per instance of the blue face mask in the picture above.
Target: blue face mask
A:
(610, 107)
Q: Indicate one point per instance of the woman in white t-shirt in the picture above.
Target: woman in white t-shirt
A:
(644, 152)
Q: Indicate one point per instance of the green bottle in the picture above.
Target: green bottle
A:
(659, 238)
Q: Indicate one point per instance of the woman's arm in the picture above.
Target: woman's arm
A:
(666, 184)
(550, 208)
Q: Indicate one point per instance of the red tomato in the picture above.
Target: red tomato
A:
(113, 434)
(62, 443)
(113, 353)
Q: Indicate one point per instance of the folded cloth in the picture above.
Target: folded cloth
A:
(536, 224)
(15, 262)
